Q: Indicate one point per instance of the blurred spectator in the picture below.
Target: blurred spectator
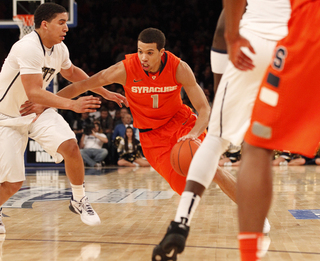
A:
(106, 122)
(112, 109)
(120, 129)
(117, 118)
(130, 152)
(95, 115)
(91, 144)
(123, 112)
(303, 160)
(80, 123)
(282, 158)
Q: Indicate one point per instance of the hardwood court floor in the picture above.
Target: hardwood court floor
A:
(136, 206)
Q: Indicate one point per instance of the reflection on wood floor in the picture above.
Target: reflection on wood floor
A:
(136, 206)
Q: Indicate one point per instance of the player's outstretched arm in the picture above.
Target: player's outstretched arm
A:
(75, 74)
(186, 77)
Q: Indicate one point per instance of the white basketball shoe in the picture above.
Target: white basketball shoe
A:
(84, 209)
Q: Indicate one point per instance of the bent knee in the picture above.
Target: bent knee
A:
(69, 147)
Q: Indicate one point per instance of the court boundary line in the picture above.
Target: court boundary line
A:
(146, 244)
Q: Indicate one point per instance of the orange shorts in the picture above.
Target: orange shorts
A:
(286, 114)
(157, 145)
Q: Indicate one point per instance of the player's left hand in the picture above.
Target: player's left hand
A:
(189, 136)
(116, 97)
(29, 107)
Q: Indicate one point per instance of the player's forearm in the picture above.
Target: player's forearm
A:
(49, 99)
(93, 83)
(101, 91)
(79, 75)
(201, 122)
(233, 12)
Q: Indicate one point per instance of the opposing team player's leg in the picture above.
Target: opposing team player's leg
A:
(13, 140)
(54, 135)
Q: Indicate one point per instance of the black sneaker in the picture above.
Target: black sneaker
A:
(172, 244)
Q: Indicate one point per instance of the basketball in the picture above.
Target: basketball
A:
(182, 154)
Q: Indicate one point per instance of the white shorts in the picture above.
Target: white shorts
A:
(13, 140)
(219, 61)
(237, 92)
(50, 130)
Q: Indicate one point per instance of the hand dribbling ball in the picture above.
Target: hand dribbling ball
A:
(182, 154)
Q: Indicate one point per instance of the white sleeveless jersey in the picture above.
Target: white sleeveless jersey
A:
(28, 56)
(267, 18)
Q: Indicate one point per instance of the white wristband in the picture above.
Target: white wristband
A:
(219, 61)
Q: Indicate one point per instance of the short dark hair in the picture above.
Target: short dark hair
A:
(153, 35)
(47, 12)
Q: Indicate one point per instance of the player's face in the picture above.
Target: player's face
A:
(149, 56)
(57, 28)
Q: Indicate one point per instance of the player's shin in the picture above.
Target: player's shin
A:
(201, 172)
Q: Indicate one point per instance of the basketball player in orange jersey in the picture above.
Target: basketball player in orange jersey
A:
(285, 115)
(152, 79)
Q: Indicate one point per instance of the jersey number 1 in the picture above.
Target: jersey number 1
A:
(155, 101)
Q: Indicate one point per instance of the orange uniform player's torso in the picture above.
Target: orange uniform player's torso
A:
(295, 4)
(153, 99)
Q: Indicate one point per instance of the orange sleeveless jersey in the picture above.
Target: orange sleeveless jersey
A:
(153, 102)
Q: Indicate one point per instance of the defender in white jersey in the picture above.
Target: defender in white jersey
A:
(30, 66)
(231, 113)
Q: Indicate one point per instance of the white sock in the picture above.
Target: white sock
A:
(202, 170)
(204, 164)
(187, 206)
(77, 191)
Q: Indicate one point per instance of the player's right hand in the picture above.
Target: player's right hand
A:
(86, 104)
(239, 59)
